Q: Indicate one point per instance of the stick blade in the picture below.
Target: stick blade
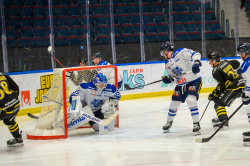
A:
(33, 116)
(201, 140)
(127, 87)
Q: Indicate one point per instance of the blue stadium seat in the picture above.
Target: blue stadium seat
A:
(134, 18)
(47, 31)
(189, 26)
(146, 7)
(192, 6)
(137, 28)
(38, 31)
(63, 31)
(81, 2)
(181, 35)
(195, 35)
(199, 25)
(117, 1)
(121, 8)
(10, 42)
(55, 2)
(84, 20)
(219, 34)
(159, 17)
(151, 1)
(61, 10)
(127, 28)
(17, 3)
(98, 9)
(65, 2)
(72, 10)
(83, 40)
(128, 1)
(23, 42)
(117, 28)
(123, 18)
(151, 27)
(102, 29)
(147, 17)
(163, 36)
(13, 11)
(25, 10)
(247, 5)
(185, 16)
(36, 42)
(7, 3)
(74, 20)
(177, 26)
(13, 22)
(108, 18)
(101, 39)
(136, 37)
(61, 41)
(175, 16)
(104, 2)
(100, 19)
(10, 32)
(38, 10)
(126, 38)
(180, 6)
(162, 27)
(133, 8)
(209, 35)
(166, 7)
(214, 25)
(62, 20)
(46, 11)
(41, 3)
(47, 21)
(191, 1)
(209, 15)
(107, 9)
(207, 5)
(151, 37)
(38, 21)
(83, 10)
(25, 21)
(117, 38)
(74, 40)
(26, 32)
(156, 7)
(75, 30)
(46, 41)
(196, 16)
(92, 2)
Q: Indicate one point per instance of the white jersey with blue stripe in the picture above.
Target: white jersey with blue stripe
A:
(245, 71)
(181, 63)
(88, 93)
(103, 63)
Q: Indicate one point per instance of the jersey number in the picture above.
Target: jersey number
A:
(4, 89)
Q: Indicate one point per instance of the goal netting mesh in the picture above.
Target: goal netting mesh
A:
(52, 122)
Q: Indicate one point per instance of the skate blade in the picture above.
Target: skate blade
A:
(16, 145)
(165, 131)
(197, 133)
(224, 128)
(246, 143)
(246, 137)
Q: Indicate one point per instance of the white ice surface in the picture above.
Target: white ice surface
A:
(139, 141)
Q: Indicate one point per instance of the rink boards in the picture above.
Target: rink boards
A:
(34, 84)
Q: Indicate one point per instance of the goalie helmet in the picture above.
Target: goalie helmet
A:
(167, 46)
(244, 47)
(214, 56)
(83, 61)
(100, 82)
(96, 55)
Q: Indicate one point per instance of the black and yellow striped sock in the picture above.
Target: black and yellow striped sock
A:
(14, 130)
(221, 112)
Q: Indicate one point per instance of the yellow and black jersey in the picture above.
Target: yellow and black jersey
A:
(226, 76)
(9, 92)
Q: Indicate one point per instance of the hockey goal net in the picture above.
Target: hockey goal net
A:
(52, 122)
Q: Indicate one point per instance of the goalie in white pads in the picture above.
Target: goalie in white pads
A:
(95, 94)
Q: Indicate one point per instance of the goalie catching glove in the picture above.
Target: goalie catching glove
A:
(109, 106)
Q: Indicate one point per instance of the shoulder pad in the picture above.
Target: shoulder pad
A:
(88, 85)
(245, 65)
(103, 63)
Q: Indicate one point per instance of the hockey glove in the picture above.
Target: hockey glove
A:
(245, 99)
(211, 97)
(167, 79)
(196, 66)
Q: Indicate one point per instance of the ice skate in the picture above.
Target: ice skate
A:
(167, 127)
(246, 141)
(215, 121)
(246, 134)
(15, 141)
(224, 127)
(196, 129)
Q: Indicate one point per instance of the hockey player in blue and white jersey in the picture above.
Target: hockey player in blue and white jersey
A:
(94, 94)
(188, 85)
(97, 60)
(244, 52)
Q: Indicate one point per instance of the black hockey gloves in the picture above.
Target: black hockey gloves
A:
(212, 97)
(167, 79)
(196, 66)
(245, 99)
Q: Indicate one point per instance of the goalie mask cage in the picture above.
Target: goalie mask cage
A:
(52, 122)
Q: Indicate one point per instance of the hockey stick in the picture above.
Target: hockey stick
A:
(128, 87)
(100, 121)
(200, 140)
(49, 51)
(204, 111)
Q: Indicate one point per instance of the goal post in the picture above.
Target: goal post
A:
(52, 122)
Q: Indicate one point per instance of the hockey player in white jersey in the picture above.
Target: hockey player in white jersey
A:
(97, 60)
(94, 94)
(188, 85)
(244, 52)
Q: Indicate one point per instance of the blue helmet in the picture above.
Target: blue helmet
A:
(244, 47)
(100, 82)
(166, 46)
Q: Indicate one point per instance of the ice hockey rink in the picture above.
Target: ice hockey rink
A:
(139, 141)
